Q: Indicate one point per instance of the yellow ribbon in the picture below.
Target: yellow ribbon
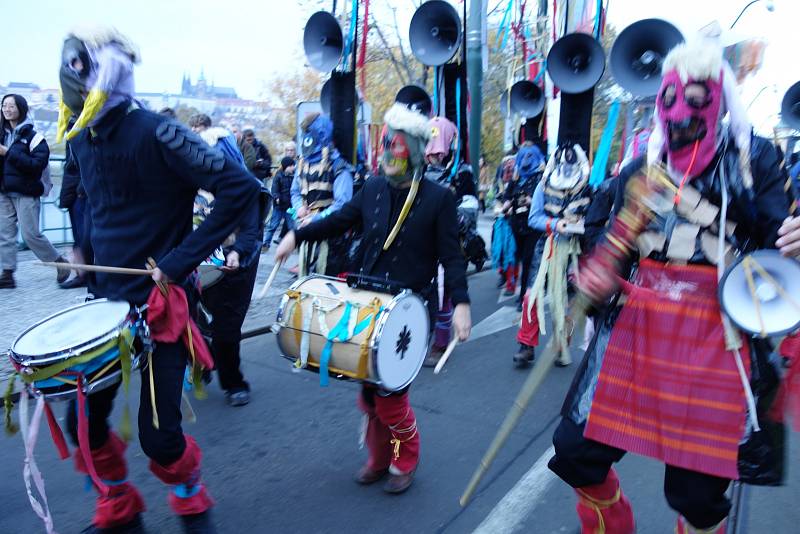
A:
(403, 213)
(597, 505)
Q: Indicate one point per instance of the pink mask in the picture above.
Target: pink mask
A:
(689, 114)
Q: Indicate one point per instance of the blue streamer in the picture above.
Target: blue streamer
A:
(604, 148)
(457, 160)
(351, 34)
(502, 31)
(339, 331)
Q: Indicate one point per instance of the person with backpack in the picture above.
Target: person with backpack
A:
(24, 175)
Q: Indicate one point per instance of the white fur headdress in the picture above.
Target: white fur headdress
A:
(399, 117)
(98, 36)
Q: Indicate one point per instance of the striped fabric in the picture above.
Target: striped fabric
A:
(668, 389)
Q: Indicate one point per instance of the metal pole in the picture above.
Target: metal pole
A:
(475, 80)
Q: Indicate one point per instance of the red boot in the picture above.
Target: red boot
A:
(684, 527)
(604, 509)
(511, 281)
(119, 502)
(189, 496)
(528, 333)
(395, 412)
(378, 439)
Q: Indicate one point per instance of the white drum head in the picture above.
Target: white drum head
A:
(71, 328)
(401, 342)
(209, 275)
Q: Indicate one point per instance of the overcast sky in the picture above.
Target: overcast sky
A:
(244, 43)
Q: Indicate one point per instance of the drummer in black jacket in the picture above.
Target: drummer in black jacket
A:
(141, 172)
(409, 226)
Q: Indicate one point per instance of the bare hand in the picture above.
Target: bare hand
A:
(506, 206)
(303, 212)
(597, 282)
(305, 221)
(160, 276)
(286, 247)
(3, 150)
(462, 321)
(789, 242)
(231, 262)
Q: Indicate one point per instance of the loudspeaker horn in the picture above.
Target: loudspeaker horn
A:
(415, 98)
(638, 53)
(790, 107)
(325, 98)
(526, 98)
(435, 32)
(322, 41)
(766, 308)
(576, 63)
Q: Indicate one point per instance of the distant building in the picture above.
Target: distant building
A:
(203, 90)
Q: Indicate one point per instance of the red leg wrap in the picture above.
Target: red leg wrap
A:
(378, 438)
(528, 333)
(511, 281)
(395, 412)
(604, 509)
(189, 495)
(122, 501)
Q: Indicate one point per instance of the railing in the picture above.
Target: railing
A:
(53, 221)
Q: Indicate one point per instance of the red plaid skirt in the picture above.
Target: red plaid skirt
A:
(668, 388)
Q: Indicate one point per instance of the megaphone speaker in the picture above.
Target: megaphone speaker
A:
(322, 41)
(638, 53)
(790, 106)
(526, 98)
(756, 293)
(576, 63)
(435, 32)
(415, 98)
(325, 98)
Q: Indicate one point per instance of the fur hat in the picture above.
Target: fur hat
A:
(399, 117)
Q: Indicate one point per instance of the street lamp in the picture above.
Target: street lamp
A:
(770, 8)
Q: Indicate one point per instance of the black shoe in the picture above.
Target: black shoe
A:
(525, 356)
(135, 526)
(7, 280)
(236, 398)
(198, 523)
(62, 274)
(78, 281)
(501, 282)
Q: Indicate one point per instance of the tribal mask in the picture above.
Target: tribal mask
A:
(689, 112)
(96, 74)
(317, 134)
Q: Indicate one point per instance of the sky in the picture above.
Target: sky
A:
(245, 43)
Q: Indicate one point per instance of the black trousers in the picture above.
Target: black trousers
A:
(526, 246)
(228, 301)
(580, 462)
(164, 445)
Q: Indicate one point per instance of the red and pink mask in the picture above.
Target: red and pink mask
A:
(689, 114)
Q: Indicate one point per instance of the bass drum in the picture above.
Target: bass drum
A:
(326, 326)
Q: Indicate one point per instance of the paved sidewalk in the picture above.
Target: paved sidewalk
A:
(37, 296)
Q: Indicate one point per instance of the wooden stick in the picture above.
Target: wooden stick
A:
(543, 366)
(96, 268)
(445, 356)
(270, 279)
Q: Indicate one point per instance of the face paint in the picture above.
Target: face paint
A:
(689, 113)
(395, 156)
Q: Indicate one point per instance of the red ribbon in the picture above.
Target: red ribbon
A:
(362, 53)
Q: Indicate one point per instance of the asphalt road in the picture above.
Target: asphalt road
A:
(284, 463)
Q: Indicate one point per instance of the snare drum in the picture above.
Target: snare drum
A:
(327, 326)
(93, 340)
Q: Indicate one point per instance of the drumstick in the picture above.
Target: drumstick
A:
(446, 355)
(270, 279)
(96, 268)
